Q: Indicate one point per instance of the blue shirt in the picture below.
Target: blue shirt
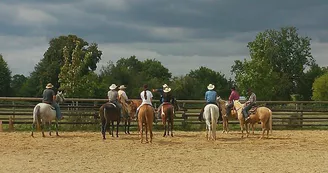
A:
(210, 96)
(161, 92)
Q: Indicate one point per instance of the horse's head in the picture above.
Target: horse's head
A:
(60, 98)
(176, 105)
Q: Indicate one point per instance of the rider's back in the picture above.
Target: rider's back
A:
(48, 96)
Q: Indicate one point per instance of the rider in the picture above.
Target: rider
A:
(233, 96)
(113, 97)
(50, 98)
(146, 97)
(122, 97)
(161, 92)
(167, 97)
(250, 103)
(210, 98)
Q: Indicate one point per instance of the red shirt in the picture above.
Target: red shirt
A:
(234, 96)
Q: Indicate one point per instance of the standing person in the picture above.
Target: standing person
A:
(146, 97)
(250, 103)
(234, 95)
(113, 97)
(49, 97)
(210, 98)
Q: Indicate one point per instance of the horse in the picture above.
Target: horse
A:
(225, 120)
(109, 113)
(129, 109)
(239, 107)
(211, 115)
(167, 116)
(146, 117)
(263, 115)
(44, 113)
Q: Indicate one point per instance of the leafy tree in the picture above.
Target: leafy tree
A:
(320, 88)
(73, 78)
(5, 78)
(48, 69)
(17, 83)
(278, 61)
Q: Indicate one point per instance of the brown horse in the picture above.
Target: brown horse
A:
(146, 117)
(167, 116)
(263, 115)
(225, 120)
(129, 109)
(109, 113)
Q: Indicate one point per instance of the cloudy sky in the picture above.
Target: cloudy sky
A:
(182, 34)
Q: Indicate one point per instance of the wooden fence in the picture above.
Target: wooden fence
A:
(79, 111)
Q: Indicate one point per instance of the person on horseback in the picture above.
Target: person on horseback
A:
(146, 97)
(113, 97)
(122, 95)
(234, 95)
(49, 97)
(210, 98)
(161, 92)
(249, 104)
(167, 98)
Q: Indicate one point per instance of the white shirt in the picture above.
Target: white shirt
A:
(149, 96)
(122, 94)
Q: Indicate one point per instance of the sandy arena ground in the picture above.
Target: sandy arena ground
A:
(284, 151)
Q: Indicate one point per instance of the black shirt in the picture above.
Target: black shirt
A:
(48, 96)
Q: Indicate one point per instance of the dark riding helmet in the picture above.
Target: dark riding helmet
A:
(145, 86)
(233, 87)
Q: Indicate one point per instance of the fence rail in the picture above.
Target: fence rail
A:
(286, 114)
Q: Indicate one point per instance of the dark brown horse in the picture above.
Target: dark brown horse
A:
(109, 113)
(167, 116)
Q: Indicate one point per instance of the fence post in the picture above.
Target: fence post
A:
(11, 125)
(301, 115)
(1, 129)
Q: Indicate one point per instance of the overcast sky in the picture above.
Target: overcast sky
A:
(182, 34)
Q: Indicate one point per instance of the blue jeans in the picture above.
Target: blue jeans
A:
(57, 108)
(246, 109)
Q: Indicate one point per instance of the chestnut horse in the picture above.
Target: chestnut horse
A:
(167, 116)
(146, 117)
(225, 120)
(263, 115)
(128, 111)
(109, 113)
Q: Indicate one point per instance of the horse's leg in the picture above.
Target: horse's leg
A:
(164, 123)
(117, 125)
(140, 129)
(129, 123)
(42, 129)
(125, 126)
(263, 129)
(56, 127)
(112, 129)
(104, 128)
(241, 128)
(171, 126)
(50, 128)
(33, 126)
(146, 127)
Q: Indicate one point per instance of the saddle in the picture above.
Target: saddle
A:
(253, 109)
(111, 103)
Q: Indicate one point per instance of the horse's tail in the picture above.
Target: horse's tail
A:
(36, 115)
(270, 121)
(213, 117)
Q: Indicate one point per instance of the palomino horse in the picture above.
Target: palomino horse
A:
(225, 120)
(211, 115)
(146, 117)
(263, 115)
(109, 113)
(44, 113)
(128, 111)
(167, 116)
(239, 107)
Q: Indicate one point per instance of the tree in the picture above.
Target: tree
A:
(278, 61)
(17, 83)
(48, 69)
(72, 76)
(5, 78)
(320, 88)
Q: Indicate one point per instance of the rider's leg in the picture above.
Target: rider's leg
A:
(230, 105)
(246, 109)
(57, 108)
(159, 110)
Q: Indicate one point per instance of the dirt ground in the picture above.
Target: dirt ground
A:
(284, 151)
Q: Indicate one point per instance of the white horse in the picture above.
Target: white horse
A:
(211, 115)
(44, 113)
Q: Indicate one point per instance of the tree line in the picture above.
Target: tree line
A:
(280, 67)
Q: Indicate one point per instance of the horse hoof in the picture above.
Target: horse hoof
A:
(171, 135)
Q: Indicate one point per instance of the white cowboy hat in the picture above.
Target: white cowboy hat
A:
(49, 85)
(210, 87)
(112, 87)
(122, 87)
(165, 86)
(166, 90)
